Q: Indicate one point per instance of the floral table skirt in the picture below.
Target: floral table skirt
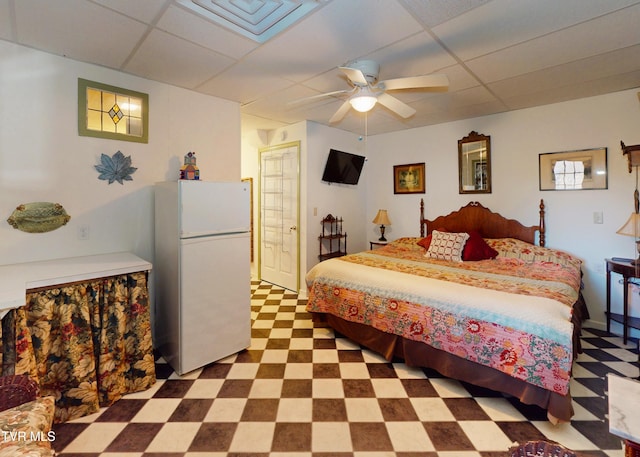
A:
(86, 343)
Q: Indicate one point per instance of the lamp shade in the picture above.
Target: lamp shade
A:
(382, 218)
(631, 227)
(364, 100)
(363, 103)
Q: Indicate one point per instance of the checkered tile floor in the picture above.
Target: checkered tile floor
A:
(302, 391)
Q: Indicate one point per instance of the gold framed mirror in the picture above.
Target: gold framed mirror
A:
(474, 164)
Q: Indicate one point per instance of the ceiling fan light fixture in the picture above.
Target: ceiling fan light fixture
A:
(363, 103)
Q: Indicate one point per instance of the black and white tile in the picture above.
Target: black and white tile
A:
(302, 391)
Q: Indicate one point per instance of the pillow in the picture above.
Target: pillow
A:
(476, 248)
(447, 246)
(425, 242)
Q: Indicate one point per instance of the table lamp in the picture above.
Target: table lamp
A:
(382, 219)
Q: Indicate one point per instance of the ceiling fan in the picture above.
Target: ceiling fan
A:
(367, 90)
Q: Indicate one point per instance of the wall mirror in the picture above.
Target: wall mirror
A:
(474, 164)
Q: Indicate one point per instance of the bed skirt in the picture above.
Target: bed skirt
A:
(416, 354)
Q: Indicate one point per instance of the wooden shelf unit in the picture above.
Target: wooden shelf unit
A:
(332, 241)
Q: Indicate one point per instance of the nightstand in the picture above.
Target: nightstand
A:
(377, 244)
(625, 268)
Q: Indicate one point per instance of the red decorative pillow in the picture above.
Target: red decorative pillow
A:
(477, 248)
(425, 242)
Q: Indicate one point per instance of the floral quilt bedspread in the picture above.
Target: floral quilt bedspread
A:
(512, 313)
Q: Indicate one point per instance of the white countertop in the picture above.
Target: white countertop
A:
(624, 395)
(15, 279)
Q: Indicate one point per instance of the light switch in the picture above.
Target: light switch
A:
(597, 217)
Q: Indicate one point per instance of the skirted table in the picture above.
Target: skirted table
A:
(80, 327)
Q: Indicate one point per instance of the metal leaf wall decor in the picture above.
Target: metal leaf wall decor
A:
(116, 168)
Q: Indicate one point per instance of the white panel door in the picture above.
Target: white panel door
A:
(279, 241)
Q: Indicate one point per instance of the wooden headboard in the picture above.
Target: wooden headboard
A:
(476, 217)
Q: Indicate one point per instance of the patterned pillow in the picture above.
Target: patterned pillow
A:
(447, 246)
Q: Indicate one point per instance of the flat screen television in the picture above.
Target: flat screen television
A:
(343, 167)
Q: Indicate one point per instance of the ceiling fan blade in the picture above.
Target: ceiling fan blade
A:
(434, 82)
(314, 97)
(342, 111)
(356, 76)
(395, 105)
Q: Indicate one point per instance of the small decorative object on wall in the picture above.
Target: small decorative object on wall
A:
(189, 170)
(38, 217)
(408, 179)
(116, 168)
(111, 112)
(574, 170)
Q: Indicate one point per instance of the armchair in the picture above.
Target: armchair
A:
(25, 418)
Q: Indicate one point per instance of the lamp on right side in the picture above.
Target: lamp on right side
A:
(632, 226)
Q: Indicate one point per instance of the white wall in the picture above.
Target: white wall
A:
(317, 198)
(340, 200)
(516, 140)
(42, 158)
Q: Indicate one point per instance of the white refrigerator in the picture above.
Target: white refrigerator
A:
(202, 271)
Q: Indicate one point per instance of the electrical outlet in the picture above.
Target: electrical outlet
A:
(83, 232)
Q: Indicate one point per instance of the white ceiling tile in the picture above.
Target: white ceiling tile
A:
(503, 23)
(580, 71)
(78, 29)
(584, 89)
(164, 57)
(6, 26)
(193, 28)
(606, 33)
(436, 12)
(142, 10)
(238, 82)
(416, 55)
(341, 31)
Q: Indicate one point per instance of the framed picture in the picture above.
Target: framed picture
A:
(112, 112)
(408, 179)
(574, 170)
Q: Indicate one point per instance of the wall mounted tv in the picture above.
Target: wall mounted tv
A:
(343, 167)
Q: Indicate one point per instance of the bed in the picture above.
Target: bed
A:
(477, 297)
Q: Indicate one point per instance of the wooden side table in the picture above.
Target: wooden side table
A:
(377, 243)
(627, 270)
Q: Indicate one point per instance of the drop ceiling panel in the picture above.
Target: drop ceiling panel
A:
(238, 82)
(418, 54)
(193, 28)
(164, 57)
(436, 12)
(77, 29)
(503, 23)
(591, 88)
(607, 33)
(6, 27)
(580, 71)
(142, 10)
(344, 31)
